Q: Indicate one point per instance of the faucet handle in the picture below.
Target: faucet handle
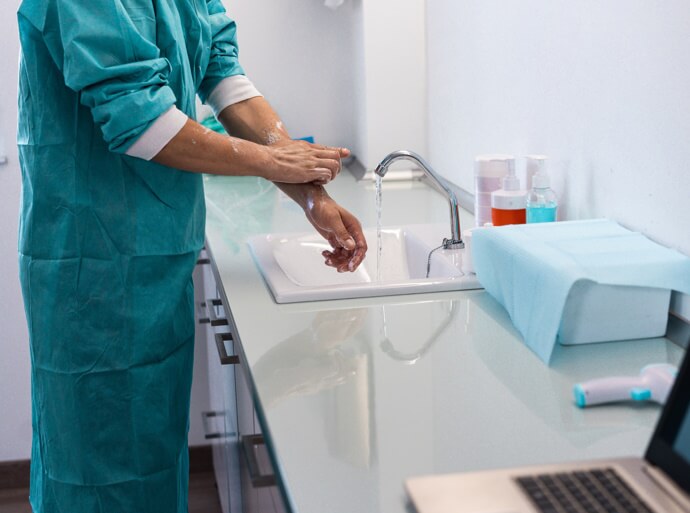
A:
(453, 244)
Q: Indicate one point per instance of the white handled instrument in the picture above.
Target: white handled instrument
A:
(653, 384)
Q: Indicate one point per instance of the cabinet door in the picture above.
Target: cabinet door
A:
(259, 491)
(245, 423)
(214, 424)
(221, 421)
(244, 473)
(227, 360)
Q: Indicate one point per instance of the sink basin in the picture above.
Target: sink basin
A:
(293, 268)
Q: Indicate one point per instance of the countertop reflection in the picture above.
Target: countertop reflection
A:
(357, 395)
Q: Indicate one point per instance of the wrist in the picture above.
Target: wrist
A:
(255, 159)
(306, 195)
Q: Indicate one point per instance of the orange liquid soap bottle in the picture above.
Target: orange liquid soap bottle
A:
(508, 204)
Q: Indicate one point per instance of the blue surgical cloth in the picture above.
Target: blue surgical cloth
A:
(530, 269)
(108, 243)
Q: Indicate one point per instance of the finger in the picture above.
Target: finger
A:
(324, 147)
(340, 265)
(331, 239)
(356, 260)
(343, 262)
(322, 175)
(333, 262)
(360, 240)
(335, 153)
(355, 228)
(337, 252)
(343, 238)
(328, 153)
(343, 152)
(347, 242)
(339, 258)
(331, 164)
(360, 251)
(340, 153)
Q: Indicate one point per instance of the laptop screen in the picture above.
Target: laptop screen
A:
(669, 448)
(682, 442)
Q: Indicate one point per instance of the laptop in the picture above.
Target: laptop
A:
(657, 483)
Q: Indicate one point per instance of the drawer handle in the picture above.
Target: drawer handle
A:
(250, 443)
(205, 417)
(201, 311)
(203, 258)
(225, 358)
(211, 305)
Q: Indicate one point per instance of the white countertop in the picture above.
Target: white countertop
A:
(356, 395)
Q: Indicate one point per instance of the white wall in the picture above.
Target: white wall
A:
(15, 409)
(392, 74)
(299, 54)
(600, 87)
(354, 76)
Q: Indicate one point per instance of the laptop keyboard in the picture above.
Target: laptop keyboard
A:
(590, 491)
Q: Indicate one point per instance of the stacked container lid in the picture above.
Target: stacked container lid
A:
(489, 171)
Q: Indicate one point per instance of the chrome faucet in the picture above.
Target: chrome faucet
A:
(455, 241)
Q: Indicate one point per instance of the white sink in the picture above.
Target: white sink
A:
(294, 269)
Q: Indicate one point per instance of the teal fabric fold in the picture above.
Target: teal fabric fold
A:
(530, 269)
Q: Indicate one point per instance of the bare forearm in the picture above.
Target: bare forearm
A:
(254, 120)
(305, 195)
(197, 149)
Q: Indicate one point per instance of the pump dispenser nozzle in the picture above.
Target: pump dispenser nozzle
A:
(511, 181)
(534, 165)
(542, 203)
(508, 203)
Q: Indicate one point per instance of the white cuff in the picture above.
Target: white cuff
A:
(160, 133)
(229, 91)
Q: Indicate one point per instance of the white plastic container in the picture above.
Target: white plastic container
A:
(603, 313)
(489, 171)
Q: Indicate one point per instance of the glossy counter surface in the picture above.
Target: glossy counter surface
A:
(356, 395)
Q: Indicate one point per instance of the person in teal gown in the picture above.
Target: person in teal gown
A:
(112, 220)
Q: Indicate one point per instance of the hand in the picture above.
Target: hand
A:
(302, 162)
(341, 229)
(331, 328)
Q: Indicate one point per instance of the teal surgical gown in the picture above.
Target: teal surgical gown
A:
(108, 243)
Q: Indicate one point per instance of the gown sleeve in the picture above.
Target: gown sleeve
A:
(107, 53)
(223, 62)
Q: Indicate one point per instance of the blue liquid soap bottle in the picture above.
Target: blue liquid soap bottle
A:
(542, 203)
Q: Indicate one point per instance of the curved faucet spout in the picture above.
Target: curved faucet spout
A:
(455, 240)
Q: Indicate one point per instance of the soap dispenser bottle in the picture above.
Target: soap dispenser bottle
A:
(508, 204)
(542, 203)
